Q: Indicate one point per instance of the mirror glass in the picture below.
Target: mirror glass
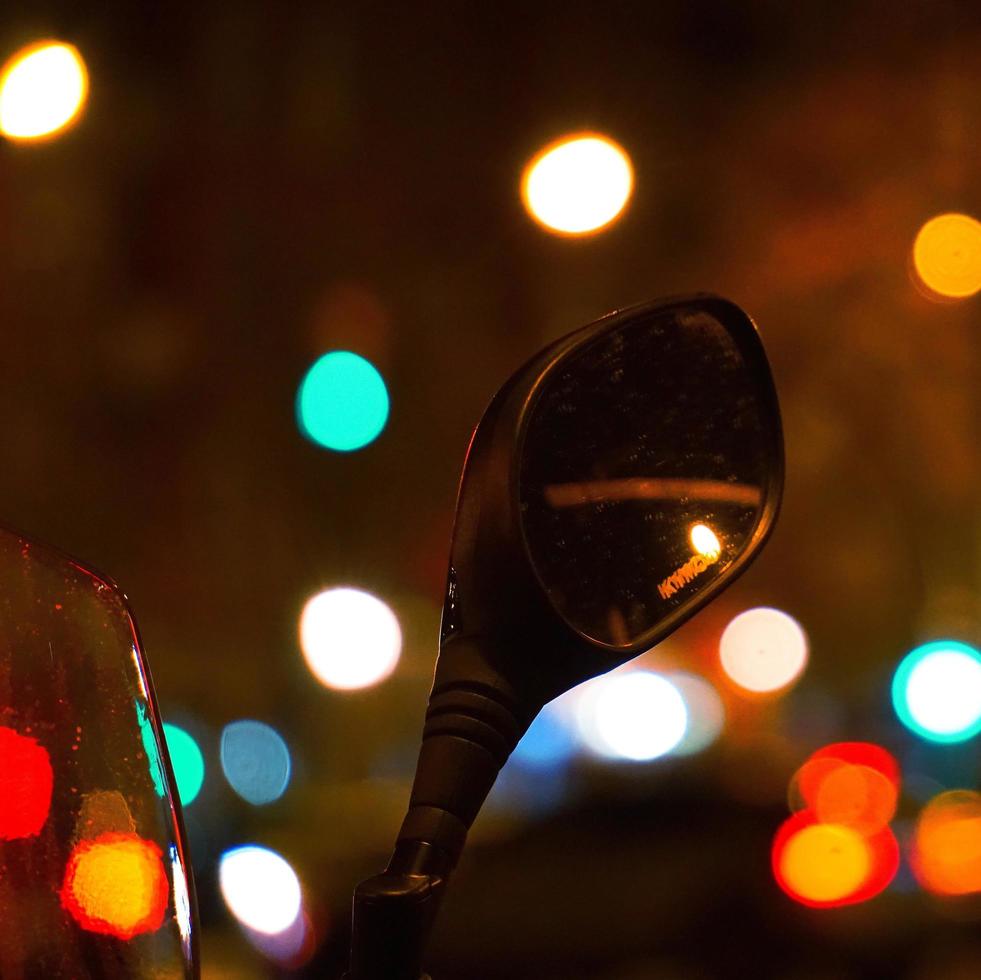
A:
(93, 877)
(647, 458)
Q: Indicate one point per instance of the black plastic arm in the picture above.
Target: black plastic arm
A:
(469, 733)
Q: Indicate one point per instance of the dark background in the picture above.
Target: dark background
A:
(254, 184)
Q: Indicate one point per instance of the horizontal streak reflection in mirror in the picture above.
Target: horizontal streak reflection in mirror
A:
(644, 488)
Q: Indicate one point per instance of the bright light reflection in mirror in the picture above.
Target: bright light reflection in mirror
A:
(349, 638)
(42, 89)
(704, 541)
(636, 715)
(255, 760)
(260, 888)
(187, 761)
(578, 185)
(763, 650)
(936, 691)
(342, 403)
(947, 255)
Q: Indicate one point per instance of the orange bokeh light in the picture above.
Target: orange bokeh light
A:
(116, 885)
(947, 256)
(855, 784)
(946, 851)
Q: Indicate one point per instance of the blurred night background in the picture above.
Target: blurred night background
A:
(252, 186)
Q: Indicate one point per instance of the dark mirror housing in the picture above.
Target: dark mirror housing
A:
(616, 483)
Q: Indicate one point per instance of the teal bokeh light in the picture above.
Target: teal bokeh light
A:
(188, 763)
(936, 691)
(342, 403)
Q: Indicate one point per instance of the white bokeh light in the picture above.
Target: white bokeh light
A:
(943, 692)
(578, 185)
(637, 715)
(260, 888)
(706, 712)
(350, 639)
(763, 650)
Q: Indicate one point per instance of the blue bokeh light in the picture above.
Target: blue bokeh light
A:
(255, 760)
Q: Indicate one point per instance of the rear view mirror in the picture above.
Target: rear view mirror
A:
(94, 879)
(616, 483)
(646, 465)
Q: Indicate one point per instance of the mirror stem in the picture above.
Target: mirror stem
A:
(469, 733)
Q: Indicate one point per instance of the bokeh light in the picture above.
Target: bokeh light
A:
(936, 691)
(349, 638)
(342, 403)
(820, 864)
(255, 760)
(549, 741)
(839, 849)
(116, 885)
(577, 185)
(947, 255)
(260, 888)
(824, 865)
(26, 782)
(855, 784)
(705, 541)
(636, 715)
(705, 710)
(763, 650)
(946, 849)
(42, 89)
(187, 762)
(292, 947)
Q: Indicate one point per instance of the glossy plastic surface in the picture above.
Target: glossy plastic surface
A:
(94, 881)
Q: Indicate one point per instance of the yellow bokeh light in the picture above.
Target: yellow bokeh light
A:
(947, 255)
(578, 184)
(42, 89)
(946, 854)
(825, 862)
(704, 541)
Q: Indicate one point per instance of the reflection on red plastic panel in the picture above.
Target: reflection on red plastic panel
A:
(116, 885)
(26, 782)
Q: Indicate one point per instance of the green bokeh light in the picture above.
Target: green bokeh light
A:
(342, 403)
(188, 763)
